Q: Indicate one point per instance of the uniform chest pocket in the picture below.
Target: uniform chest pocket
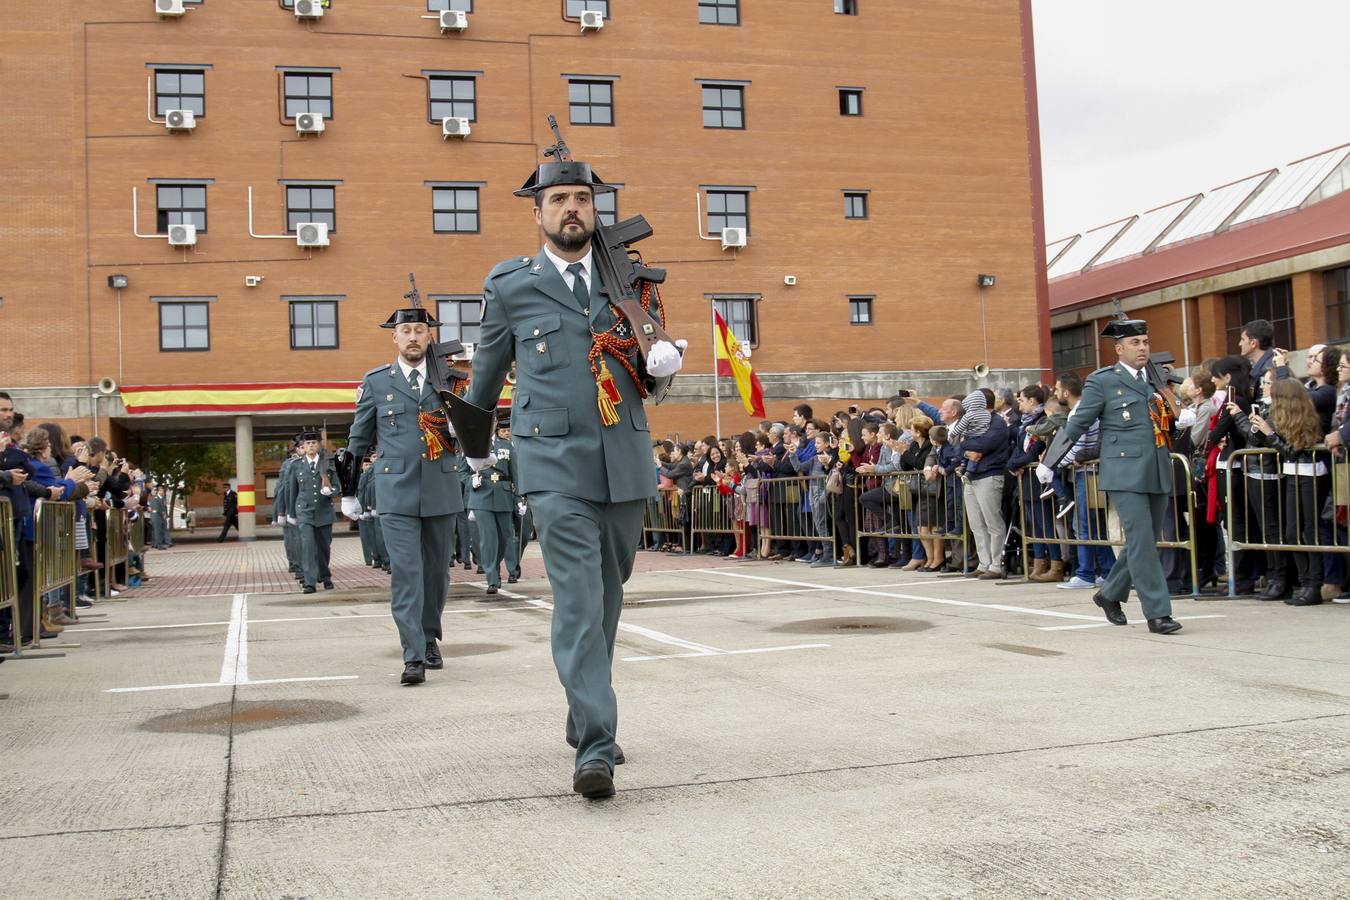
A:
(537, 347)
(394, 417)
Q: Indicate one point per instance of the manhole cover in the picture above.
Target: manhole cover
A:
(457, 650)
(249, 715)
(854, 624)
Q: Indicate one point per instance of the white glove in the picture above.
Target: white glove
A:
(351, 508)
(471, 516)
(327, 492)
(477, 463)
(1186, 418)
(1044, 473)
(665, 358)
(292, 520)
(520, 508)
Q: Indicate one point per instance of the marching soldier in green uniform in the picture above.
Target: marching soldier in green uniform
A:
(367, 498)
(312, 482)
(363, 524)
(159, 527)
(1135, 469)
(416, 484)
(284, 515)
(492, 502)
(582, 445)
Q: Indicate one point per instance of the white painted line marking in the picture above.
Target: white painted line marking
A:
(234, 667)
(1109, 625)
(338, 618)
(758, 593)
(651, 634)
(216, 684)
(727, 652)
(945, 602)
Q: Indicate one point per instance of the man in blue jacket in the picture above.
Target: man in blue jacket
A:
(987, 460)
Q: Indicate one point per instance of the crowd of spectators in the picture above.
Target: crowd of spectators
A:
(952, 488)
(40, 463)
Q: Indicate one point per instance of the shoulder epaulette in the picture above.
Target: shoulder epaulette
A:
(379, 368)
(1102, 370)
(510, 265)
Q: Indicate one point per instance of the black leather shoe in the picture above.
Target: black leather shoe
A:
(491, 589)
(479, 570)
(1164, 625)
(328, 585)
(434, 660)
(618, 751)
(1308, 596)
(594, 780)
(512, 579)
(1114, 614)
(1275, 590)
(414, 672)
(309, 589)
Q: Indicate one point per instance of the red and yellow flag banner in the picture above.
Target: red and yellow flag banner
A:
(242, 398)
(734, 362)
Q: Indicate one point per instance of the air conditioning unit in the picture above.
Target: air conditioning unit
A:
(182, 235)
(308, 9)
(312, 234)
(309, 123)
(180, 120)
(592, 21)
(733, 237)
(169, 7)
(455, 127)
(454, 20)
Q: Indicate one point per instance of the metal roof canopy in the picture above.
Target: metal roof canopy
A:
(1149, 227)
(170, 428)
(1081, 254)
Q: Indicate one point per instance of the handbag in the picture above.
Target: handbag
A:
(834, 482)
(904, 499)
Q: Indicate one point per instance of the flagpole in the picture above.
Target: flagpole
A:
(717, 392)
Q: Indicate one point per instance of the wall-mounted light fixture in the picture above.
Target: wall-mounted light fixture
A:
(117, 281)
(986, 281)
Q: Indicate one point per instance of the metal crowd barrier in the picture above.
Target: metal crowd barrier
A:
(56, 564)
(1058, 515)
(786, 511)
(136, 536)
(908, 506)
(664, 517)
(116, 550)
(712, 512)
(9, 568)
(1307, 501)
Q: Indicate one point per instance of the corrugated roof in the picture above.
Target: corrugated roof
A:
(1300, 183)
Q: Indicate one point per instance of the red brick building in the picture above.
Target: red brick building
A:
(876, 156)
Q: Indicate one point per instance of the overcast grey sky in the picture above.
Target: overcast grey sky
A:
(1143, 101)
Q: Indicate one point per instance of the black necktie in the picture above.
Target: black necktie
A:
(412, 380)
(579, 285)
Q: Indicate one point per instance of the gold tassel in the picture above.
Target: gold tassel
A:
(435, 446)
(607, 396)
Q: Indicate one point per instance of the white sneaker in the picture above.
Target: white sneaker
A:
(1075, 584)
(1342, 600)
(1100, 581)
(86, 598)
(112, 593)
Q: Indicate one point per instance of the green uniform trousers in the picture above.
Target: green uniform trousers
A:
(316, 543)
(419, 555)
(377, 541)
(497, 543)
(587, 598)
(1140, 565)
(367, 541)
(290, 538)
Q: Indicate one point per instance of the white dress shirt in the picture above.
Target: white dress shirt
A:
(421, 373)
(562, 265)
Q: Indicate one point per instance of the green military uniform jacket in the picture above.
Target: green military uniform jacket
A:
(307, 502)
(281, 500)
(532, 317)
(406, 482)
(1130, 458)
(497, 495)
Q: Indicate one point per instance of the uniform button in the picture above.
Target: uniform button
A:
(424, 456)
(536, 429)
(536, 332)
(386, 468)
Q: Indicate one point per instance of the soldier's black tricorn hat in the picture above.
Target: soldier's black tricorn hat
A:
(550, 174)
(307, 433)
(1119, 329)
(411, 314)
(503, 416)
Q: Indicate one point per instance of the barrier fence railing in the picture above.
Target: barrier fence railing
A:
(712, 512)
(9, 567)
(910, 506)
(793, 510)
(116, 549)
(663, 520)
(136, 535)
(1292, 511)
(1079, 515)
(55, 561)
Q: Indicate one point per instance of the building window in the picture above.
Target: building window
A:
(846, 7)
(452, 97)
(591, 102)
(464, 6)
(1337, 284)
(460, 319)
(184, 326)
(607, 207)
(576, 7)
(739, 314)
(180, 89)
(1273, 302)
(308, 92)
(1071, 348)
(311, 203)
(719, 12)
(850, 101)
(314, 324)
(454, 210)
(180, 204)
(855, 204)
(723, 106)
(728, 209)
(860, 310)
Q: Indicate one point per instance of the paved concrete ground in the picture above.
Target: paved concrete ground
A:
(789, 731)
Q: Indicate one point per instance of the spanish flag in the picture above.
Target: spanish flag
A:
(734, 362)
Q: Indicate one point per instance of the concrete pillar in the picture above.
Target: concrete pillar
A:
(243, 466)
(1208, 326)
(1309, 307)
